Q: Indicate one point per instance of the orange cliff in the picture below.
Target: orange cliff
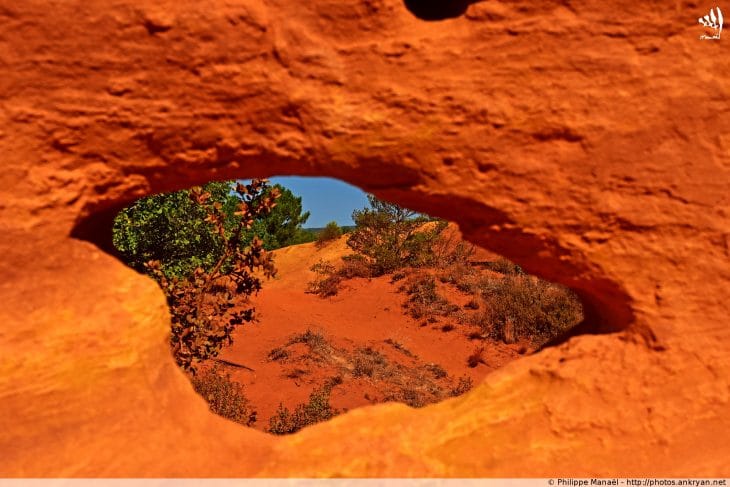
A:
(589, 142)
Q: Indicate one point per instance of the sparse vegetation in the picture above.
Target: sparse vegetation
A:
(400, 347)
(327, 282)
(520, 307)
(225, 397)
(316, 410)
(437, 371)
(465, 385)
(424, 301)
(278, 354)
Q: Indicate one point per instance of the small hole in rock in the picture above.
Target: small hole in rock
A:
(438, 9)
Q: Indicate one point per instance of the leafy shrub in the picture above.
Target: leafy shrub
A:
(318, 409)
(327, 282)
(225, 397)
(392, 237)
(201, 302)
(175, 229)
(330, 232)
(524, 307)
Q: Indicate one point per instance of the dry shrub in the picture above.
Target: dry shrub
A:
(225, 397)
(278, 353)
(462, 275)
(316, 342)
(437, 371)
(504, 266)
(400, 347)
(521, 307)
(424, 301)
(355, 265)
(367, 362)
(476, 357)
(318, 409)
(465, 385)
(327, 282)
(408, 395)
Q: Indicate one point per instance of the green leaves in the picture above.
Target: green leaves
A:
(393, 237)
(194, 252)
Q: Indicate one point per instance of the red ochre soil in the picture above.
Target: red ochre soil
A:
(364, 313)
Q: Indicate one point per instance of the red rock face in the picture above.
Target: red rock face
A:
(588, 141)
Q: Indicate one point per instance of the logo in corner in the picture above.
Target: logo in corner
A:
(712, 21)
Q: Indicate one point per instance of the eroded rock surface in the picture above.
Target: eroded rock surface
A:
(588, 141)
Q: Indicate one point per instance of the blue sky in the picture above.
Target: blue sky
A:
(326, 199)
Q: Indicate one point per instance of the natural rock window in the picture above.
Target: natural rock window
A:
(281, 325)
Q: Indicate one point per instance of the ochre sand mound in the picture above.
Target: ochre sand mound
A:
(587, 141)
(365, 313)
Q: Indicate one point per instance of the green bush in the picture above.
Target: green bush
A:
(330, 232)
(392, 237)
(202, 302)
(224, 396)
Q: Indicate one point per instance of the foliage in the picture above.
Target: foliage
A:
(331, 231)
(304, 235)
(525, 307)
(171, 228)
(393, 237)
(201, 303)
(283, 225)
(318, 409)
(224, 396)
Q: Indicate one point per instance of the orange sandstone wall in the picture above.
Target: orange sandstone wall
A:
(589, 141)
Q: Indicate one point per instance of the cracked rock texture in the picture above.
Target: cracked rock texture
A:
(588, 141)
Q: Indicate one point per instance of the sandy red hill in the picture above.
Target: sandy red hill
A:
(364, 313)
